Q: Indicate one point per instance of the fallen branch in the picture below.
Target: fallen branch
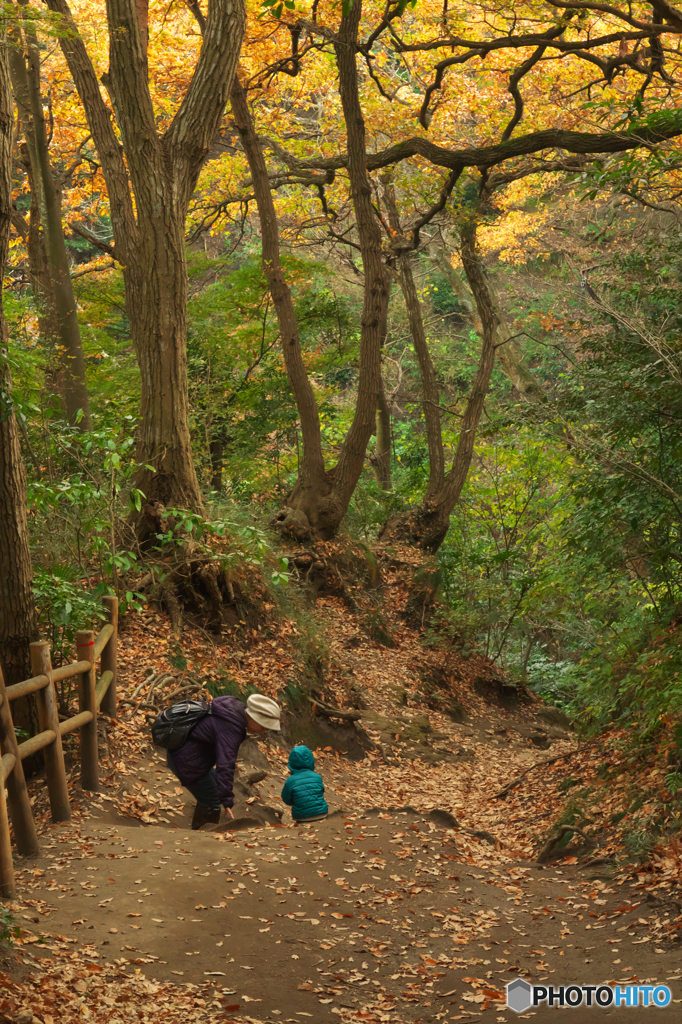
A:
(329, 712)
(538, 764)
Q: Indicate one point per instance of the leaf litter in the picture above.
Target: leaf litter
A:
(415, 861)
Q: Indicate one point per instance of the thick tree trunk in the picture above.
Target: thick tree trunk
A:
(507, 347)
(428, 525)
(156, 300)
(161, 172)
(24, 63)
(18, 624)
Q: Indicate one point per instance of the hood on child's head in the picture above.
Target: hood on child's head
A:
(301, 758)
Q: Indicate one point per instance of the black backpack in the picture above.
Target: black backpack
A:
(172, 727)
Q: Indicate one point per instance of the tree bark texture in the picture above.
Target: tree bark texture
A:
(428, 525)
(38, 273)
(382, 451)
(381, 457)
(375, 298)
(312, 507)
(18, 624)
(217, 453)
(24, 64)
(427, 372)
(320, 497)
(161, 172)
(507, 348)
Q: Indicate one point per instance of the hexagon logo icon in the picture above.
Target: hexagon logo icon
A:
(519, 995)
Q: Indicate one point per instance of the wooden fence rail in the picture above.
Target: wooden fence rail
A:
(93, 694)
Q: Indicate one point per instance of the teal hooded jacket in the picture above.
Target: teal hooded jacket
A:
(304, 789)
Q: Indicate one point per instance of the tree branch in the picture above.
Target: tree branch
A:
(490, 156)
(94, 240)
(195, 124)
(100, 123)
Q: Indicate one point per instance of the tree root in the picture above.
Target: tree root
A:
(184, 689)
(209, 577)
(329, 712)
(548, 849)
(168, 594)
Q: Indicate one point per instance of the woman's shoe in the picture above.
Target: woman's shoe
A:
(205, 816)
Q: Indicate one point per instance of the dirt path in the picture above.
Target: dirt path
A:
(370, 916)
(381, 916)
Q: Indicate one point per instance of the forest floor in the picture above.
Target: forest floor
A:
(418, 899)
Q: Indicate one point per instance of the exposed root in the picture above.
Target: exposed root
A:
(167, 592)
(549, 849)
(292, 522)
(209, 577)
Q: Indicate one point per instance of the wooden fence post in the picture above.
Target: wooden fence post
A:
(109, 658)
(85, 644)
(48, 718)
(8, 888)
(25, 834)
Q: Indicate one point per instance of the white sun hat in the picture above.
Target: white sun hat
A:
(263, 710)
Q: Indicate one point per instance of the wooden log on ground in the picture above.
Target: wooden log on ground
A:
(538, 764)
(549, 849)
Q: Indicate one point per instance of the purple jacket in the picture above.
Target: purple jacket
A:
(214, 741)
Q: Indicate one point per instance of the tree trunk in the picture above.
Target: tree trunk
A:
(507, 348)
(381, 457)
(18, 624)
(161, 173)
(312, 507)
(375, 297)
(217, 452)
(24, 63)
(156, 301)
(320, 497)
(39, 275)
(430, 389)
(428, 525)
(381, 460)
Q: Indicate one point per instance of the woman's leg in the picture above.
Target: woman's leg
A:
(205, 792)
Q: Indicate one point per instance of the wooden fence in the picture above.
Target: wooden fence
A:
(93, 694)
